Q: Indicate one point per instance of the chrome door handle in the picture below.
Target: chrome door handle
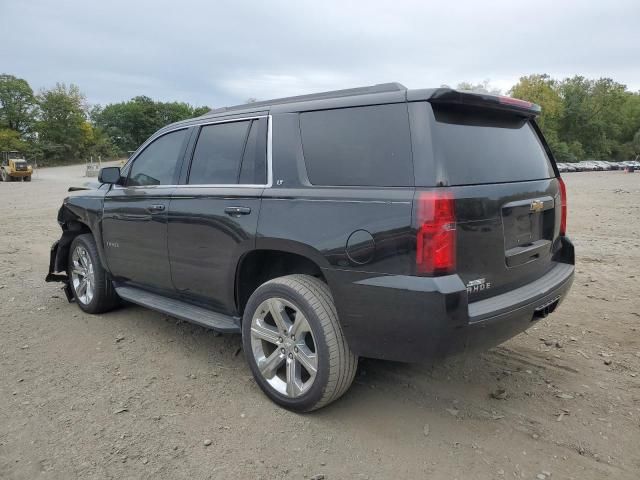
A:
(237, 211)
(156, 208)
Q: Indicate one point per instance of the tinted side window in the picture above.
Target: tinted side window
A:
(358, 146)
(156, 165)
(218, 153)
(254, 160)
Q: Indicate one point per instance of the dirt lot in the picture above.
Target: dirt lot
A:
(133, 394)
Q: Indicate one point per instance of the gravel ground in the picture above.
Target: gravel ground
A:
(134, 394)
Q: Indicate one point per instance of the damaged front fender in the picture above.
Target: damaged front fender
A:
(52, 276)
(80, 213)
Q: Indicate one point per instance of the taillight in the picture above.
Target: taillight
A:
(563, 207)
(436, 235)
(516, 102)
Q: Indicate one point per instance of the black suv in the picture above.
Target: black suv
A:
(378, 222)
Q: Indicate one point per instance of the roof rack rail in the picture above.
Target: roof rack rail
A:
(379, 88)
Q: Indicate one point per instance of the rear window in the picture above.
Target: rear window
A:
(361, 146)
(476, 146)
(230, 153)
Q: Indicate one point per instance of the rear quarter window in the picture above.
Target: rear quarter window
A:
(360, 146)
(476, 146)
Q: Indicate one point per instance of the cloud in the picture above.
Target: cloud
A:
(223, 52)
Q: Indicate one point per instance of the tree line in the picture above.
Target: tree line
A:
(584, 118)
(581, 119)
(57, 125)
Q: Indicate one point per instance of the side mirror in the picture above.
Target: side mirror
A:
(109, 175)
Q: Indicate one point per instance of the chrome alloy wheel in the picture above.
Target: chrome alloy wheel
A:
(283, 347)
(82, 275)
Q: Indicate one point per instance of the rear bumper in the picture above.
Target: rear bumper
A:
(413, 319)
(497, 319)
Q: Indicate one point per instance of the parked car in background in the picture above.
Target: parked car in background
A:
(602, 164)
(615, 165)
(589, 166)
(585, 166)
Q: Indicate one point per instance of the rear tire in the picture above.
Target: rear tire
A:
(89, 281)
(27, 179)
(283, 366)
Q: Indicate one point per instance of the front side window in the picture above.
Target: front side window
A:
(156, 165)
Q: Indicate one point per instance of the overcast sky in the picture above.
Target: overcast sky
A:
(222, 52)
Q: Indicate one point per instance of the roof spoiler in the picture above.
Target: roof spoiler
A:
(485, 100)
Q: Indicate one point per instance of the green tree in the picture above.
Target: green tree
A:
(17, 103)
(635, 143)
(129, 124)
(591, 114)
(96, 143)
(198, 111)
(542, 90)
(630, 114)
(61, 125)
(629, 145)
(10, 140)
(583, 118)
(173, 112)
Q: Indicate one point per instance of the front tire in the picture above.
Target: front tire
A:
(295, 345)
(27, 178)
(89, 281)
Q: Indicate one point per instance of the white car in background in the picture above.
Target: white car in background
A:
(588, 166)
(614, 165)
(604, 165)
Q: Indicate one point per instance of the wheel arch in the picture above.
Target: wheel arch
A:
(261, 265)
(73, 225)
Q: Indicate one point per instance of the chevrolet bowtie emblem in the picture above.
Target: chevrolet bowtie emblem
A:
(537, 206)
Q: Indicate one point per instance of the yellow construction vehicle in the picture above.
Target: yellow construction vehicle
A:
(14, 167)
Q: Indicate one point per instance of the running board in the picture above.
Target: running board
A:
(182, 310)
